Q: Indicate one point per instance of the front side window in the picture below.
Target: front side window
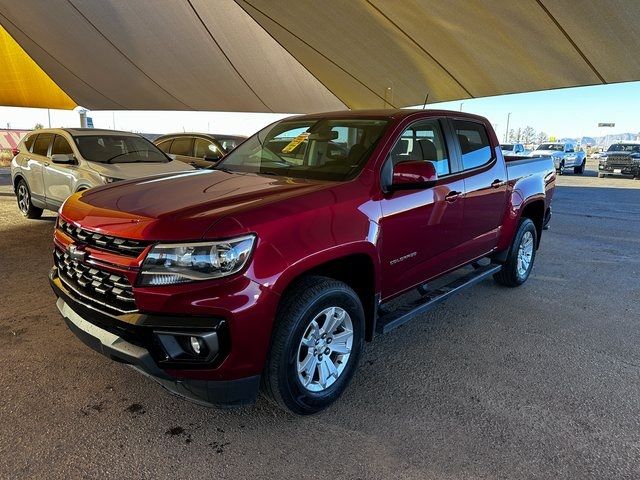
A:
(41, 144)
(61, 146)
(474, 144)
(331, 149)
(118, 149)
(422, 141)
(205, 149)
(230, 143)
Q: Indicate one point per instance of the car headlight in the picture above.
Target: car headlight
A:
(169, 264)
(109, 179)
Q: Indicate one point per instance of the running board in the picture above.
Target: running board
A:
(404, 313)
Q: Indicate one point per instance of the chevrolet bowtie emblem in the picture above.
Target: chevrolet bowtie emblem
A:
(76, 253)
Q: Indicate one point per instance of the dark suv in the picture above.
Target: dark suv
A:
(620, 159)
(198, 149)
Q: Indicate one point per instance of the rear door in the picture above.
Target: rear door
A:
(182, 149)
(420, 229)
(59, 179)
(36, 161)
(485, 185)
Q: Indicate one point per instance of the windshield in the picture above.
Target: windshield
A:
(619, 147)
(507, 146)
(559, 147)
(320, 149)
(118, 149)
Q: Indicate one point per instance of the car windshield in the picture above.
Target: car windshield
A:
(559, 147)
(118, 149)
(619, 147)
(331, 149)
(507, 146)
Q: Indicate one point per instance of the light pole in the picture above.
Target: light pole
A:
(461, 103)
(506, 132)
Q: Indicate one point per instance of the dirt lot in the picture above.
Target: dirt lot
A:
(537, 382)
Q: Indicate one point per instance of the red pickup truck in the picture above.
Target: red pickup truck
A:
(270, 270)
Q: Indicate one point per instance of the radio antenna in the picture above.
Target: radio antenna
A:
(425, 101)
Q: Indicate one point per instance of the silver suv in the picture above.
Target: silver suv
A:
(53, 163)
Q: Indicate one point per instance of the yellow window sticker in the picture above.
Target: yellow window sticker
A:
(291, 146)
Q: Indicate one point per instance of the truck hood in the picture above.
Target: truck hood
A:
(180, 206)
(127, 171)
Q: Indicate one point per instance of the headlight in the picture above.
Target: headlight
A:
(168, 264)
(109, 179)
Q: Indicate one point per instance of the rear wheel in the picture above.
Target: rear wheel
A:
(317, 343)
(601, 175)
(561, 169)
(522, 253)
(580, 169)
(23, 196)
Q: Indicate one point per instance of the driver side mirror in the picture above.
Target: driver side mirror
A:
(414, 175)
(63, 159)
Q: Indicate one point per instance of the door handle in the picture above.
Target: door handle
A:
(452, 196)
(497, 183)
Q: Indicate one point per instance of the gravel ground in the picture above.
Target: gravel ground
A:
(536, 382)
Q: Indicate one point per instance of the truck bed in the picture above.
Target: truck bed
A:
(519, 167)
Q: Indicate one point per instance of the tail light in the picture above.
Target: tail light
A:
(15, 151)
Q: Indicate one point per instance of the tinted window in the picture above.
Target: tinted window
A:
(61, 146)
(474, 143)
(319, 148)
(205, 148)
(423, 141)
(229, 143)
(28, 143)
(164, 146)
(181, 146)
(118, 149)
(41, 145)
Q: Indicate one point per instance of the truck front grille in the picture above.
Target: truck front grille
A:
(122, 246)
(105, 290)
(619, 160)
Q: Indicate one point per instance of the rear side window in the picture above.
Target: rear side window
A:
(61, 146)
(474, 144)
(28, 142)
(182, 146)
(165, 145)
(41, 145)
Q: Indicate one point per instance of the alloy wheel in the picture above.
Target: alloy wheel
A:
(525, 254)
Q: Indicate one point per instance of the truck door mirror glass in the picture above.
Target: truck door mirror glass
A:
(63, 159)
(413, 175)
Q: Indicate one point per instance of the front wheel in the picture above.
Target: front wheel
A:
(522, 253)
(23, 196)
(561, 168)
(317, 342)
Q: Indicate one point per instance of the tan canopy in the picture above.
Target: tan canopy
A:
(312, 55)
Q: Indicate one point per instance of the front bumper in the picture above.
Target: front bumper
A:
(631, 170)
(116, 340)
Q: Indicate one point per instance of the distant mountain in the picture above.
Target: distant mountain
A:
(605, 140)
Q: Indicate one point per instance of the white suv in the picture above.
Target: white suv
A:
(53, 163)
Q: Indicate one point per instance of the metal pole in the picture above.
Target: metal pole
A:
(461, 103)
(49, 115)
(506, 132)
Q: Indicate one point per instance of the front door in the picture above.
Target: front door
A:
(420, 228)
(59, 178)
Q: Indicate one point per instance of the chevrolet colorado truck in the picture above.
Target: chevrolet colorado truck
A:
(271, 270)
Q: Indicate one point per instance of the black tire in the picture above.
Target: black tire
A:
(510, 276)
(561, 169)
(305, 300)
(579, 170)
(601, 175)
(23, 196)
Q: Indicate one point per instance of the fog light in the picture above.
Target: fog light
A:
(196, 345)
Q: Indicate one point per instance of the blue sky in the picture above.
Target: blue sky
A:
(570, 112)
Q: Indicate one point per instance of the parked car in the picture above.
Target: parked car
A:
(274, 268)
(515, 149)
(200, 150)
(620, 159)
(564, 155)
(51, 164)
